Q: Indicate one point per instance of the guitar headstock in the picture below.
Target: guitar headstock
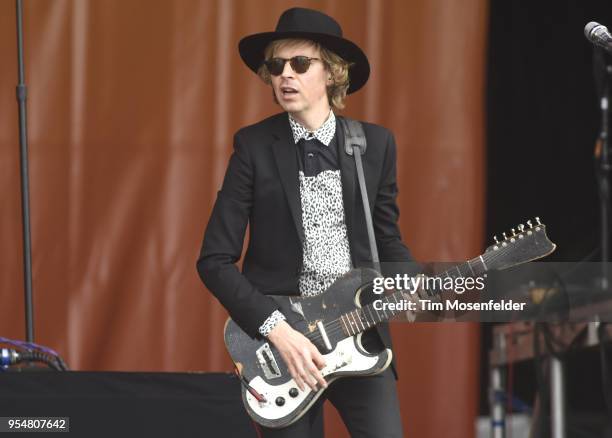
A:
(521, 245)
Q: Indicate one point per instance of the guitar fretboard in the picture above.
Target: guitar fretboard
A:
(361, 319)
(530, 244)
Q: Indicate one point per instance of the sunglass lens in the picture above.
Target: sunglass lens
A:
(300, 64)
(275, 66)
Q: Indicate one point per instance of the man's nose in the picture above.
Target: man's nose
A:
(287, 70)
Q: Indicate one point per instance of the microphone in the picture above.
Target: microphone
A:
(598, 35)
(8, 357)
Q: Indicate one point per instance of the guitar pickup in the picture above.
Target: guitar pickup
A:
(323, 333)
(267, 362)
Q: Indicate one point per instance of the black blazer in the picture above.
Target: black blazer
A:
(261, 188)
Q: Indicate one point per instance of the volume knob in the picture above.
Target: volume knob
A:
(280, 401)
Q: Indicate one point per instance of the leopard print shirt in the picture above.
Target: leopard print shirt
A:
(326, 254)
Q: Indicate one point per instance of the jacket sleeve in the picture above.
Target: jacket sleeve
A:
(386, 215)
(222, 246)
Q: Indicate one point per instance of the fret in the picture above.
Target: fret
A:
(478, 270)
(399, 295)
(371, 323)
(367, 321)
(484, 265)
(351, 321)
(383, 310)
(363, 318)
(371, 316)
(394, 298)
(398, 299)
(348, 317)
(432, 292)
(358, 318)
(391, 298)
(380, 318)
(346, 331)
(470, 266)
(428, 291)
(355, 322)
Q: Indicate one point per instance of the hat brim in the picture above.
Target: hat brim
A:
(252, 49)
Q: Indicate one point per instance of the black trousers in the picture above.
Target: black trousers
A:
(369, 407)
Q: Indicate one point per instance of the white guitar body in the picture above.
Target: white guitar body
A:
(348, 358)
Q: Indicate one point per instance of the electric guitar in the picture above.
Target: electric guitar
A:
(334, 322)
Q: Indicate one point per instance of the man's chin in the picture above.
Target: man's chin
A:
(291, 107)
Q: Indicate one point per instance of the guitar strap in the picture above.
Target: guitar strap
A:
(355, 144)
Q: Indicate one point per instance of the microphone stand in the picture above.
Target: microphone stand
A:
(25, 188)
(603, 174)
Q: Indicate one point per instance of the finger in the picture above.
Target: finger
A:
(312, 382)
(314, 372)
(308, 369)
(302, 376)
(318, 359)
(300, 382)
(313, 376)
(319, 379)
(296, 377)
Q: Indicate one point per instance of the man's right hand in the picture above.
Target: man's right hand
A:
(301, 356)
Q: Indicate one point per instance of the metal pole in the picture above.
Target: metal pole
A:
(557, 398)
(498, 421)
(25, 188)
(496, 391)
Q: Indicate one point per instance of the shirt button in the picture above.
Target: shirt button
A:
(310, 155)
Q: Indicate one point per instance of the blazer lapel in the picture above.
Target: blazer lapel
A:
(285, 155)
(348, 175)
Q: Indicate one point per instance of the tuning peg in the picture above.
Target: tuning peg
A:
(495, 238)
(521, 227)
(504, 234)
(513, 232)
(530, 224)
(538, 220)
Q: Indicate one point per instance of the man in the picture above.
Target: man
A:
(291, 181)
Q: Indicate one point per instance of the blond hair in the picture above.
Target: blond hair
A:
(334, 64)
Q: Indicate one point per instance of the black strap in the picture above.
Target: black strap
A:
(355, 144)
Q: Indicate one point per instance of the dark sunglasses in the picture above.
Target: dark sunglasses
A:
(299, 64)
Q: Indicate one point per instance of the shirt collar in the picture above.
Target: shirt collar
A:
(324, 134)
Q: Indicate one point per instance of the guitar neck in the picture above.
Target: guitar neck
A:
(368, 316)
(530, 243)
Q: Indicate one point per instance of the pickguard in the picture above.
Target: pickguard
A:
(347, 358)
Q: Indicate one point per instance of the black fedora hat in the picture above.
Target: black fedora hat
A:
(311, 25)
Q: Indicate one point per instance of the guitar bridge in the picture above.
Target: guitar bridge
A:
(267, 362)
